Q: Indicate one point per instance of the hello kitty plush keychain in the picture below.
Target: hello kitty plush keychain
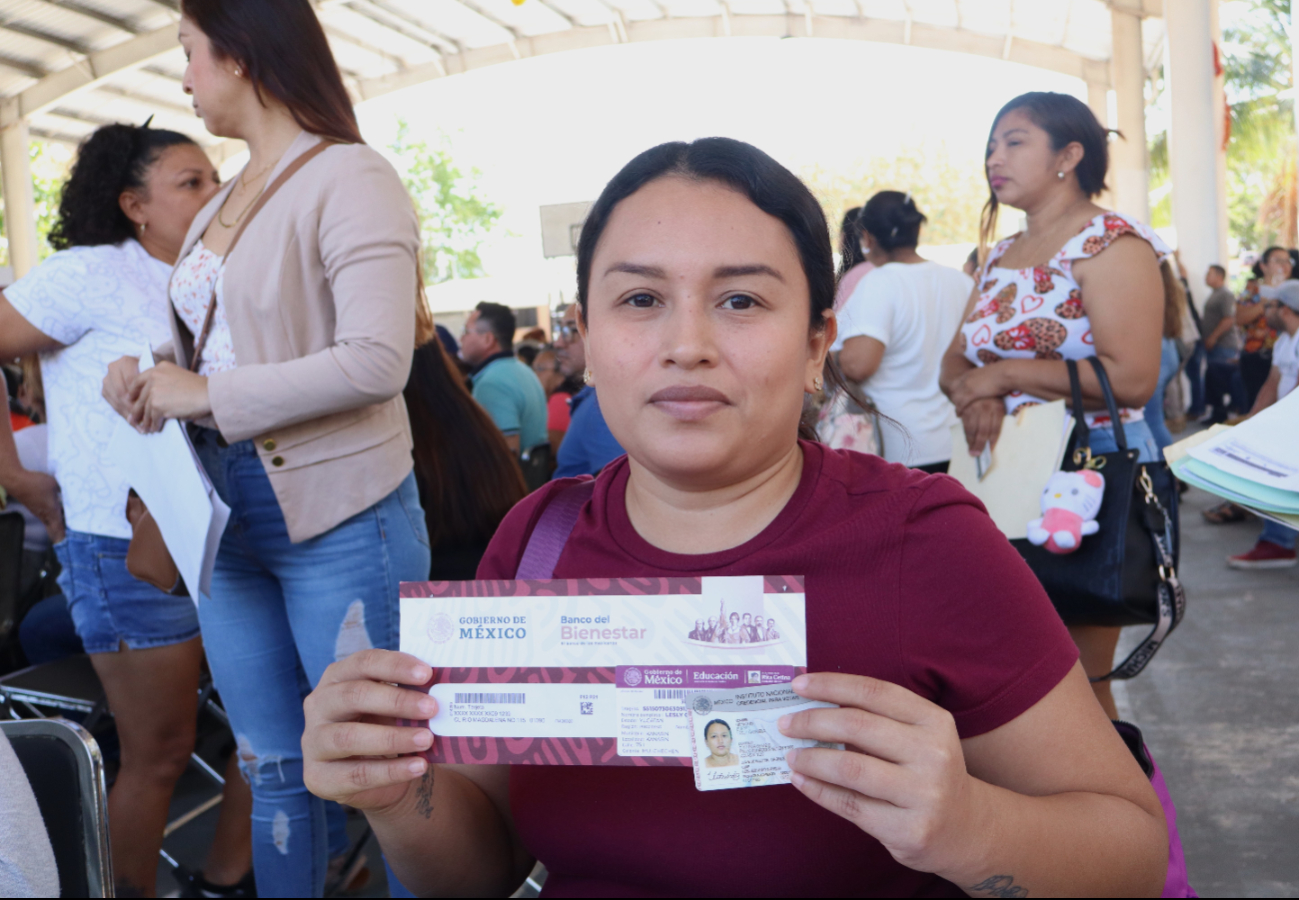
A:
(1070, 503)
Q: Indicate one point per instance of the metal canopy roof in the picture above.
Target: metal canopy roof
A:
(69, 66)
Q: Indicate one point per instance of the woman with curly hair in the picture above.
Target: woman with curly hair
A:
(124, 212)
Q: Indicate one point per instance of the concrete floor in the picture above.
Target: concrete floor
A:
(1219, 708)
(1220, 712)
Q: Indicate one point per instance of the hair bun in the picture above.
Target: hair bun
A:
(892, 219)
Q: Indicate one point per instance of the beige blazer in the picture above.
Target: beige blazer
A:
(320, 298)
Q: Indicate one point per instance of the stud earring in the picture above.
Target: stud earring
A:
(143, 227)
(818, 382)
(1060, 175)
(588, 377)
(239, 72)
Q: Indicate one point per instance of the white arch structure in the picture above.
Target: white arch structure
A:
(70, 66)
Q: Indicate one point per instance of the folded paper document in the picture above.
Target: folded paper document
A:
(1255, 464)
(165, 471)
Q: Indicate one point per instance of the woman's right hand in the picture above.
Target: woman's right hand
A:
(117, 385)
(982, 421)
(353, 751)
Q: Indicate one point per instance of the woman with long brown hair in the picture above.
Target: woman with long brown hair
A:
(468, 478)
(302, 336)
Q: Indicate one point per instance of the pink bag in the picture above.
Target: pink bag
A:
(1177, 883)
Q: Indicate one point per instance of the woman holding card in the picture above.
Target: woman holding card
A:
(979, 760)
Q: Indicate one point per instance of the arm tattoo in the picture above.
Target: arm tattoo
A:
(424, 795)
(999, 886)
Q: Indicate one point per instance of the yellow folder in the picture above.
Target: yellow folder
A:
(1027, 453)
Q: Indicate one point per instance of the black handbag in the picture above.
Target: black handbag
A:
(1125, 574)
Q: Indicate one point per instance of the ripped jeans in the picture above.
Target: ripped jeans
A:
(279, 614)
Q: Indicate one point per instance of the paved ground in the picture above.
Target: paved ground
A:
(1219, 708)
(1220, 711)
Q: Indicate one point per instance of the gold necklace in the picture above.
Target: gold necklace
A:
(244, 183)
(226, 224)
(244, 180)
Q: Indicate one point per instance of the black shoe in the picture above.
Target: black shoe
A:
(193, 884)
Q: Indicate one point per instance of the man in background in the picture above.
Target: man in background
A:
(588, 445)
(1222, 344)
(506, 388)
(1275, 548)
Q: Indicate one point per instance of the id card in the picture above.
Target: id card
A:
(593, 671)
(735, 741)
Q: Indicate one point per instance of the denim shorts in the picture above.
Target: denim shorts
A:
(109, 605)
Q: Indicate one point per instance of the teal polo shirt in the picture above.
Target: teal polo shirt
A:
(514, 398)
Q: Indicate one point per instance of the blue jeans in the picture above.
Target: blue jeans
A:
(279, 614)
(1276, 533)
(1139, 438)
(47, 632)
(1222, 378)
(1195, 373)
(1168, 365)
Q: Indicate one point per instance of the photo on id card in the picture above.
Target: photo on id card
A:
(735, 739)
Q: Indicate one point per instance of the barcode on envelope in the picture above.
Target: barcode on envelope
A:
(515, 699)
(668, 694)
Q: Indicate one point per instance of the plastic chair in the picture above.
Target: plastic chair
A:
(66, 772)
(71, 685)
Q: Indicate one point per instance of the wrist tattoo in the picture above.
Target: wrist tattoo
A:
(424, 795)
(999, 886)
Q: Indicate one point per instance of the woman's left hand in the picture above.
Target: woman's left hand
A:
(167, 391)
(982, 383)
(903, 779)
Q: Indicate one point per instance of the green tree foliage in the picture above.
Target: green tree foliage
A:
(454, 220)
(50, 166)
(951, 192)
(1261, 156)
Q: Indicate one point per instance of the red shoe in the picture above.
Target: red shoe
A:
(1265, 555)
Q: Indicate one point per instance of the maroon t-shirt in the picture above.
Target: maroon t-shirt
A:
(907, 580)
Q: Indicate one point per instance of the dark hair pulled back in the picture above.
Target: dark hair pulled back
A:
(113, 159)
(1267, 255)
(1066, 120)
(722, 722)
(282, 48)
(850, 243)
(891, 217)
(767, 184)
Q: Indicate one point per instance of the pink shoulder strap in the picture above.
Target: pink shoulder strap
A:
(551, 532)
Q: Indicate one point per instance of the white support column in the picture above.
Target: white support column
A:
(1129, 159)
(1098, 101)
(20, 204)
(1198, 160)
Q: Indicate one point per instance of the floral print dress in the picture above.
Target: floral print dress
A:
(1038, 313)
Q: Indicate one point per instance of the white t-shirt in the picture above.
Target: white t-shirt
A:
(914, 310)
(101, 303)
(1285, 356)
